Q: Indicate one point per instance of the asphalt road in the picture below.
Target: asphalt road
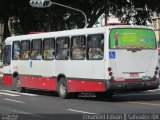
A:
(38, 104)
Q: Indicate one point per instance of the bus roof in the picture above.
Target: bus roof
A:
(76, 32)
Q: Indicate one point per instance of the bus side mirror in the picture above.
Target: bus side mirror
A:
(40, 3)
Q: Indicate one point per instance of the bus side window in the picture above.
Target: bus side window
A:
(95, 47)
(25, 50)
(36, 49)
(16, 50)
(62, 48)
(7, 55)
(48, 48)
(78, 47)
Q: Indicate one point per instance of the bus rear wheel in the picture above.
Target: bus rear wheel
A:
(63, 88)
(18, 85)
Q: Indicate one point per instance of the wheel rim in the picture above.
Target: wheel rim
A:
(62, 89)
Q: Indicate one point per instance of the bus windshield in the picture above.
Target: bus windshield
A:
(127, 38)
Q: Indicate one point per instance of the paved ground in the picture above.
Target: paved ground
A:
(37, 104)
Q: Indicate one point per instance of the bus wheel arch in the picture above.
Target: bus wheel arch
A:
(60, 76)
(15, 76)
(17, 82)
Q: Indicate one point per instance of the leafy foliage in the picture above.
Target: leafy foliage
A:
(24, 19)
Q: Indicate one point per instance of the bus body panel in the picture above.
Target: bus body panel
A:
(86, 75)
(38, 82)
(141, 63)
(95, 69)
(133, 68)
(7, 80)
(86, 86)
(76, 69)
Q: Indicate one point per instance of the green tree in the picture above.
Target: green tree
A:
(25, 19)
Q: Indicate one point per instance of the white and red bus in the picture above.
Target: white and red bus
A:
(101, 60)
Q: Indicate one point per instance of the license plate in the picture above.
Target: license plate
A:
(134, 75)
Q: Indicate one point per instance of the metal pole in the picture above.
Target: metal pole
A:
(75, 10)
(106, 12)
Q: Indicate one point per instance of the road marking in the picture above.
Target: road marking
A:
(28, 94)
(80, 111)
(153, 90)
(18, 93)
(145, 103)
(15, 101)
(13, 95)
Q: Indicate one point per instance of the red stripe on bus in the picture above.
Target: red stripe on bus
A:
(38, 83)
(85, 86)
(7, 79)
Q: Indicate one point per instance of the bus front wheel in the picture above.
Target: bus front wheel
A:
(63, 88)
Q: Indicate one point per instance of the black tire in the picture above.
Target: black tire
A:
(63, 88)
(104, 95)
(18, 85)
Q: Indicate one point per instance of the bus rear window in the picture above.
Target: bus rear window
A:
(121, 38)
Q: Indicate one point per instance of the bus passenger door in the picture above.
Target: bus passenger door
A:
(7, 77)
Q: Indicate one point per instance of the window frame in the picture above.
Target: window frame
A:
(63, 48)
(101, 48)
(72, 48)
(35, 50)
(45, 39)
(29, 51)
(13, 50)
(109, 45)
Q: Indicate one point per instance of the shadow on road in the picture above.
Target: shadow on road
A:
(45, 93)
(126, 97)
(140, 96)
